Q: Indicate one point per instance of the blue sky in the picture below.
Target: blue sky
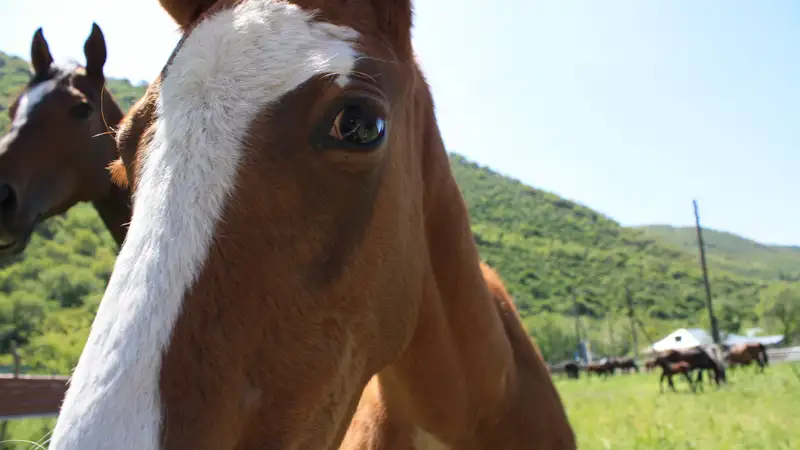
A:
(630, 107)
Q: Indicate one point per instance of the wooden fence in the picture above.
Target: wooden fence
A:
(24, 396)
(30, 395)
(788, 354)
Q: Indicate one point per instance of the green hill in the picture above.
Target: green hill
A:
(547, 247)
(552, 252)
(729, 252)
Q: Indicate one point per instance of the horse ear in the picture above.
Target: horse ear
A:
(186, 12)
(395, 18)
(95, 51)
(40, 53)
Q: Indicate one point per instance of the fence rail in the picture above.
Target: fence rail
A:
(30, 395)
(41, 396)
(788, 354)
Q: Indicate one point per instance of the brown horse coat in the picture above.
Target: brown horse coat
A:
(746, 353)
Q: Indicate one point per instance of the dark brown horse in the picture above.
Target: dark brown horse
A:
(58, 149)
(747, 353)
(699, 359)
(300, 270)
(625, 364)
(604, 368)
(570, 368)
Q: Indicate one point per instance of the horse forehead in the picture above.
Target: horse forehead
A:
(59, 78)
(246, 56)
(239, 43)
(31, 98)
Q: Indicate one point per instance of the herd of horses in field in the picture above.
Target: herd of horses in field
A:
(682, 362)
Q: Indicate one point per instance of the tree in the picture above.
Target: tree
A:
(783, 307)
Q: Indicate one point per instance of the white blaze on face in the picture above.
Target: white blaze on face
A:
(229, 68)
(30, 99)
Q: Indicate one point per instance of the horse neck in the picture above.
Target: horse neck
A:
(114, 206)
(459, 376)
(115, 211)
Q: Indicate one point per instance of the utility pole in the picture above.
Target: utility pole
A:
(711, 318)
(633, 323)
(644, 330)
(577, 322)
(610, 331)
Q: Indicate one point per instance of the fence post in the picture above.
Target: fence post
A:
(17, 358)
(3, 431)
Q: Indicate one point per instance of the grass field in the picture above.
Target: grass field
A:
(627, 412)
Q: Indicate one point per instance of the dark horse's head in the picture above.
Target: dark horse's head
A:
(56, 152)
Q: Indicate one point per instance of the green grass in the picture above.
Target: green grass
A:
(27, 434)
(627, 412)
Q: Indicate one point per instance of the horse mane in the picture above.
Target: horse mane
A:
(119, 175)
(508, 312)
(57, 71)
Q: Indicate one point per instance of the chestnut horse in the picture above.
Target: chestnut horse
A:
(669, 369)
(744, 354)
(58, 149)
(300, 271)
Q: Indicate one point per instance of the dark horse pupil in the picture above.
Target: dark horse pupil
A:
(358, 125)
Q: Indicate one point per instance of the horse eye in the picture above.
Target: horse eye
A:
(82, 110)
(358, 125)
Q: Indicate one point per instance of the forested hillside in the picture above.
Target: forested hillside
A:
(728, 251)
(552, 252)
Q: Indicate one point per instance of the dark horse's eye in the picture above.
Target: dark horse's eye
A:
(82, 110)
(358, 125)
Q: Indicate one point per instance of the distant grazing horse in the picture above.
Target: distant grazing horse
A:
(625, 364)
(571, 368)
(299, 272)
(746, 353)
(699, 359)
(668, 369)
(650, 364)
(604, 368)
(58, 149)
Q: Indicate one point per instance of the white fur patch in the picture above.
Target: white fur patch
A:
(230, 68)
(30, 99)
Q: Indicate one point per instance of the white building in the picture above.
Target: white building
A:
(681, 338)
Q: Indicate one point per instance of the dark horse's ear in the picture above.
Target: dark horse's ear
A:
(186, 12)
(40, 53)
(95, 51)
